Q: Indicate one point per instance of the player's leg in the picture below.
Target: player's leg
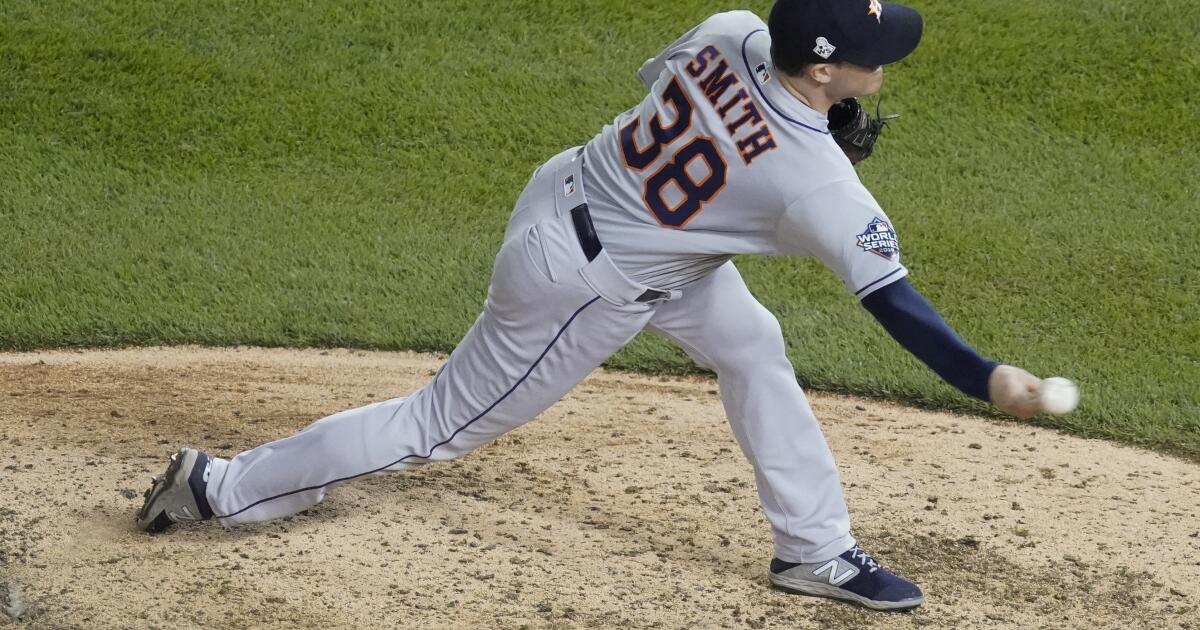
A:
(543, 329)
(721, 326)
(498, 378)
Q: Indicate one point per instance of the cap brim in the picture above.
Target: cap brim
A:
(900, 33)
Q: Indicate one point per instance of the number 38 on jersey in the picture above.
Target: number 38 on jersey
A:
(685, 169)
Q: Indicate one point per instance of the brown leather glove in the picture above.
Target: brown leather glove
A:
(854, 129)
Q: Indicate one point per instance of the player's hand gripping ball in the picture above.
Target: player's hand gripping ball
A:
(1015, 391)
(1058, 395)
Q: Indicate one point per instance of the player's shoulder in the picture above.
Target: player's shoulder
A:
(738, 19)
(806, 161)
(835, 193)
(731, 24)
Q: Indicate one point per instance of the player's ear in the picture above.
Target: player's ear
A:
(821, 73)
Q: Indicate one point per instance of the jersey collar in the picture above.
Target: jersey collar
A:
(772, 92)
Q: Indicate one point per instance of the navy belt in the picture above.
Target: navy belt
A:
(591, 245)
(586, 231)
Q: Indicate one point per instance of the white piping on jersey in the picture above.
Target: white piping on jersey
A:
(766, 100)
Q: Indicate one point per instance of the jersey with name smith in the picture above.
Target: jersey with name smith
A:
(720, 159)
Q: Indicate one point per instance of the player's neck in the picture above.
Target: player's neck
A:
(809, 92)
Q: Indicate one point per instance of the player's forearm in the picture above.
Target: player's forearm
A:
(913, 322)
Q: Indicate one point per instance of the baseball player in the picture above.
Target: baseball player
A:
(730, 152)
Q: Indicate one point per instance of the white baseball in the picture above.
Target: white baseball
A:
(1058, 395)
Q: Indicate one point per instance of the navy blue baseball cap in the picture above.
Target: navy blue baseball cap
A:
(862, 32)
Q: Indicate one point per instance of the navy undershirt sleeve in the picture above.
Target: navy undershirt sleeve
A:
(913, 322)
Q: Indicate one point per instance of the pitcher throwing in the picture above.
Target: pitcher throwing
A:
(730, 152)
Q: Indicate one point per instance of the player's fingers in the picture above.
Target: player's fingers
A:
(1021, 405)
(1015, 391)
(1031, 405)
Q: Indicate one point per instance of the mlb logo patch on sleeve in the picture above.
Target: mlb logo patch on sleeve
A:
(880, 239)
(763, 73)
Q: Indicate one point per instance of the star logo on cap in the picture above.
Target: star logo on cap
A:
(876, 10)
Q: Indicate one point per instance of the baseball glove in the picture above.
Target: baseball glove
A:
(854, 129)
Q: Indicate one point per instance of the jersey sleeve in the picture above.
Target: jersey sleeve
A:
(843, 226)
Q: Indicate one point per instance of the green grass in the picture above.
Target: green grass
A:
(338, 174)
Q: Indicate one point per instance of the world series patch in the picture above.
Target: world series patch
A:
(880, 239)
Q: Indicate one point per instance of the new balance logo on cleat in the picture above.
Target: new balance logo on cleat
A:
(853, 576)
(184, 514)
(835, 578)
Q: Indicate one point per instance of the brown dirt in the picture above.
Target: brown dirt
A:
(626, 505)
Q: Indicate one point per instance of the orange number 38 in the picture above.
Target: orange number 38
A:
(671, 192)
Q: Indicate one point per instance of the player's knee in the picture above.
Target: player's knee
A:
(757, 341)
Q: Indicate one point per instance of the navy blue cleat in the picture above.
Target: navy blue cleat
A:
(854, 576)
(179, 494)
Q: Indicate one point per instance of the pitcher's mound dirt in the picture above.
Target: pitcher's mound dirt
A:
(626, 505)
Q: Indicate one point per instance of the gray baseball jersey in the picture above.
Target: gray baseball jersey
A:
(721, 159)
(718, 160)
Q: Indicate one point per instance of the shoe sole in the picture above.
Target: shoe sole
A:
(816, 589)
(169, 479)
